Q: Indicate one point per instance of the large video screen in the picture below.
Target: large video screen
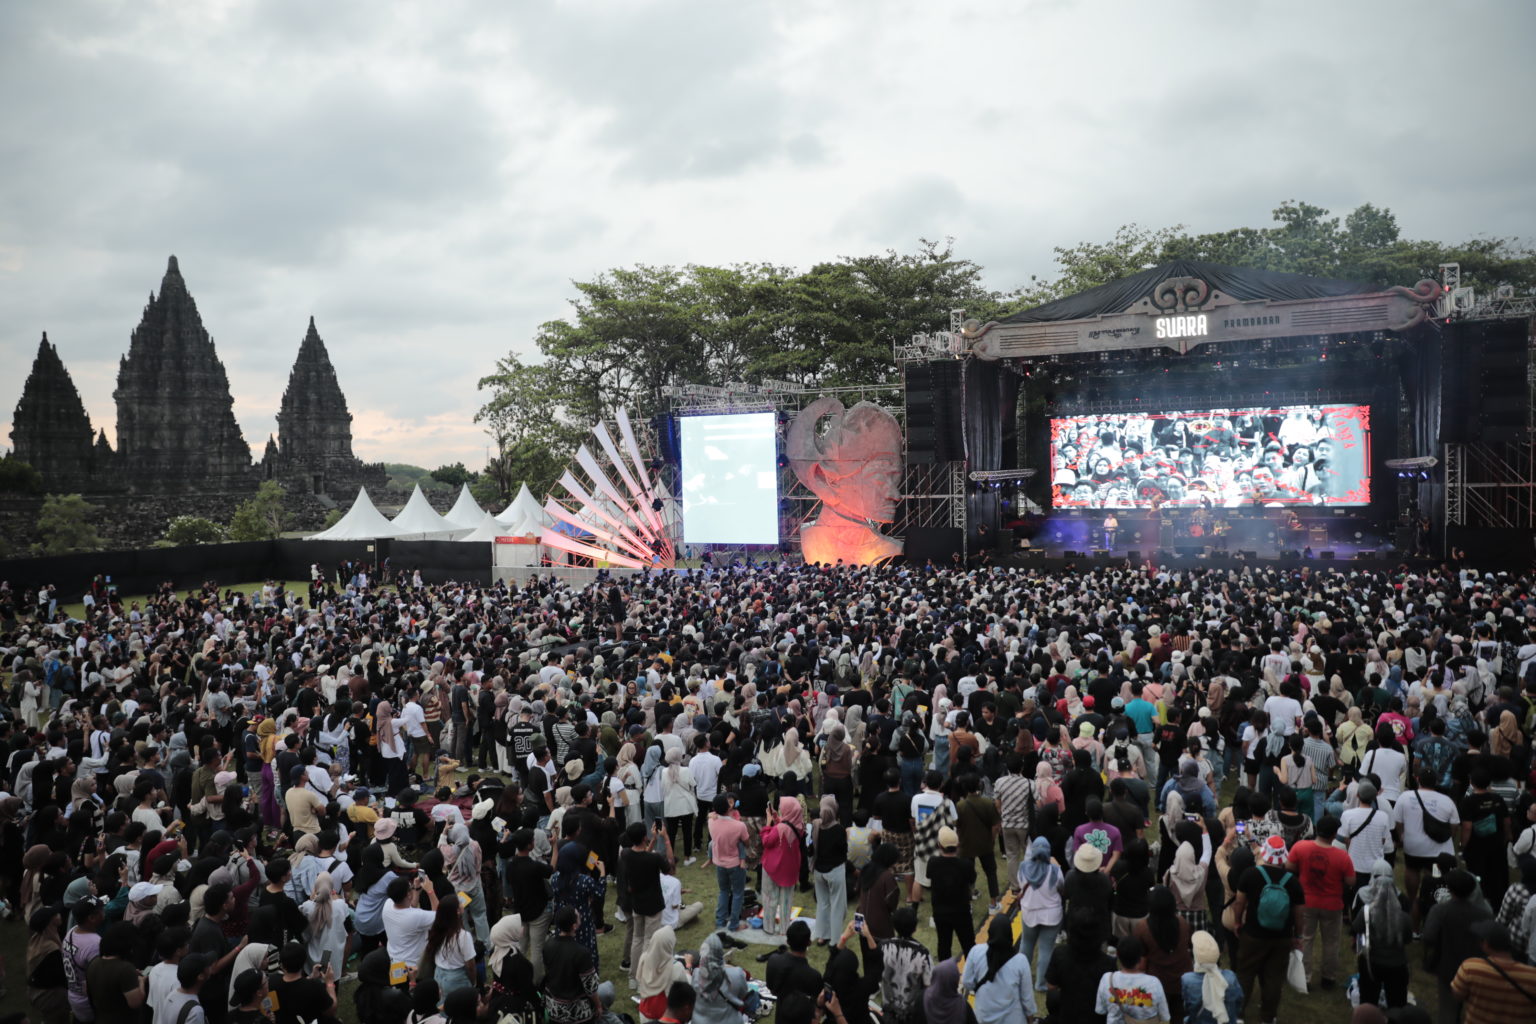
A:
(1219, 458)
(730, 479)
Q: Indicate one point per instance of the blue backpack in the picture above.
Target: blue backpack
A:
(1274, 908)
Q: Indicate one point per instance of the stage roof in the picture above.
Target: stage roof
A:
(1245, 284)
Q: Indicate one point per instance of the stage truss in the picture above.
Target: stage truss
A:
(1493, 485)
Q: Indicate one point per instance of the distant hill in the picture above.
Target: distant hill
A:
(403, 476)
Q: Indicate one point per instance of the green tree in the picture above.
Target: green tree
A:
(453, 476)
(64, 524)
(193, 530)
(19, 477)
(260, 518)
(332, 518)
(488, 493)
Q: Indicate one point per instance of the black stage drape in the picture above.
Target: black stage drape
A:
(990, 396)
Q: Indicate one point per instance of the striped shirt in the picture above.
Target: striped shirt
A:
(1012, 792)
(1489, 997)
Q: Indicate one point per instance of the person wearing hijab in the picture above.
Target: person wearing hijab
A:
(652, 796)
(271, 815)
(508, 971)
(829, 871)
(721, 991)
(879, 891)
(680, 803)
(998, 978)
(842, 975)
(391, 747)
(575, 887)
(656, 972)
(1382, 927)
(783, 845)
(837, 770)
(625, 790)
(47, 986)
(464, 860)
(1164, 938)
(943, 1002)
(1352, 738)
(327, 913)
(1040, 906)
(1186, 879)
(1210, 995)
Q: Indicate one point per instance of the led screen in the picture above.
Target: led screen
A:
(730, 479)
(1221, 458)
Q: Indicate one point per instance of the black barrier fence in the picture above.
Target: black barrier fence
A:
(136, 572)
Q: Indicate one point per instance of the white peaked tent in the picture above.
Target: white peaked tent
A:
(362, 522)
(419, 521)
(525, 510)
(466, 512)
(486, 533)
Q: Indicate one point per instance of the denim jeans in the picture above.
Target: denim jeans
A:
(911, 775)
(1038, 942)
(733, 886)
(831, 903)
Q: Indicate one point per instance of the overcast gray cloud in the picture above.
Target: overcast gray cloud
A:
(426, 179)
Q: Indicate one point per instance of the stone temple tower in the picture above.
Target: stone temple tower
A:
(313, 450)
(176, 428)
(50, 428)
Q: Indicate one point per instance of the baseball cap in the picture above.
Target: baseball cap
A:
(949, 839)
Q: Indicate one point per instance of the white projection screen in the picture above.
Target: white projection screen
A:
(730, 479)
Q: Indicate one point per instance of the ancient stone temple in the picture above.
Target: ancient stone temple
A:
(51, 427)
(176, 428)
(313, 449)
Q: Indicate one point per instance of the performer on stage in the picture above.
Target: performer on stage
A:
(1111, 526)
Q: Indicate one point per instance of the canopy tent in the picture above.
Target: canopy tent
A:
(466, 512)
(524, 510)
(419, 521)
(487, 531)
(362, 522)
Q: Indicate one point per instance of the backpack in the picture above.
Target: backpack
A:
(1274, 908)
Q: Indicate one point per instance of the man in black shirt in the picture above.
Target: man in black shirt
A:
(299, 997)
(209, 941)
(950, 878)
(521, 738)
(642, 879)
(529, 881)
(791, 971)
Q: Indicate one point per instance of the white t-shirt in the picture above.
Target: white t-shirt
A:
(1284, 715)
(706, 775)
(412, 720)
(1366, 843)
(162, 982)
(672, 900)
(407, 930)
(1409, 815)
(1389, 766)
(453, 954)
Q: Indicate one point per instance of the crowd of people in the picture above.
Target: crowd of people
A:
(931, 794)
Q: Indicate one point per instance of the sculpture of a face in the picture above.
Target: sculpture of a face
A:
(855, 466)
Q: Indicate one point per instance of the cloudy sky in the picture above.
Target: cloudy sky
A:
(425, 179)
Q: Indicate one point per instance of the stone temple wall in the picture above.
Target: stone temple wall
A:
(138, 520)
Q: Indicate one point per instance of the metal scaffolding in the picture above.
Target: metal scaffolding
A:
(1491, 485)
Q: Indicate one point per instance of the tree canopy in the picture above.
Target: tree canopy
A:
(635, 331)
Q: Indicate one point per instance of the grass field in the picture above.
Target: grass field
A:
(699, 885)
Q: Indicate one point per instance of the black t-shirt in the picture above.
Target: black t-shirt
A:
(831, 848)
(303, 1000)
(538, 785)
(1479, 807)
(458, 699)
(894, 809)
(643, 872)
(1252, 885)
(951, 879)
(307, 701)
(527, 879)
(789, 973)
(107, 979)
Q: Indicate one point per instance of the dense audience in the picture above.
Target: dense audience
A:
(930, 794)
